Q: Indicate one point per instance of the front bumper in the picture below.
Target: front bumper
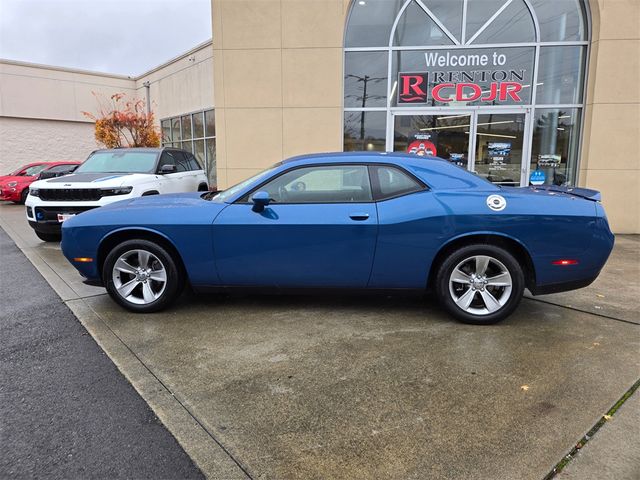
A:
(9, 194)
(45, 219)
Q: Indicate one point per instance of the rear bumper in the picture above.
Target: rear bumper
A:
(562, 287)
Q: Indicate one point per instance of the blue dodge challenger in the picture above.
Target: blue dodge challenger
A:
(360, 221)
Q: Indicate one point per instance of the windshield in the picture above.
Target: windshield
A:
(126, 161)
(230, 192)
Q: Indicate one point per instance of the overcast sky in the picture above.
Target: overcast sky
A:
(126, 37)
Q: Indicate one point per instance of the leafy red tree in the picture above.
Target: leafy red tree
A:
(124, 123)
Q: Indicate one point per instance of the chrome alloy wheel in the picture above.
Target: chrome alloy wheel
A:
(480, 285)
(139, 277)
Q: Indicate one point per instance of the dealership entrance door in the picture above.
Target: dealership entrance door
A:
(491, 142)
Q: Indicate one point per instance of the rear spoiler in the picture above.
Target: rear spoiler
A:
(575, 191)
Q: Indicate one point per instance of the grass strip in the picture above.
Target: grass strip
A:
(583, 441)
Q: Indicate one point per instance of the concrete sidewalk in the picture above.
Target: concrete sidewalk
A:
(66, 411)
(614, 451)
(301, 387)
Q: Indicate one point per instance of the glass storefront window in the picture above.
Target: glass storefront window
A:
(560, 75)
(369, 24)
(365, 80)
(186, 127)
(478, 13)
(365, 131)
(444, 135)
(210, 149)
(194, 133)
(555, 144)
(417, 28)
(175, 129)
(210, 123)
(518, 68)
(409, 61)
(198, 125)
(449, 13)
(513, 25)
(166, 130)
(187, 146)
(560, 20)
(499, 146)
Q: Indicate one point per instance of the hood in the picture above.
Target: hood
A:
(14, 178)
(96, 180)
(152, 210)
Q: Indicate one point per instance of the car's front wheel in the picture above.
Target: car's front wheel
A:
(142, 276)
(48, 237)
(480, 284)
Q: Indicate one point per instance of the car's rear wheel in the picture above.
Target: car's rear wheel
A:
(142, 276)
(48, 237)
(480, 284)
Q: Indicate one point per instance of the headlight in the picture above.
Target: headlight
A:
(34, 192)
(107, 192)
(12, 184)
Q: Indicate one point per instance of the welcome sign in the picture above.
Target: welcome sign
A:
(466, 77)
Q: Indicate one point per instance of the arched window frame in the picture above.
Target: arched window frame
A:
(537, 44)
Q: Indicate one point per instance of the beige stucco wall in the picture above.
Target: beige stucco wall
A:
(278, 81)
(611, 146)
(26, 140)
(182, 85)
(47, 103)
(278, 92)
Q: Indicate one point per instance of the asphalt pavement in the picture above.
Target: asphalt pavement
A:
(65, 409)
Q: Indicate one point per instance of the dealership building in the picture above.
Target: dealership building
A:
(520, 91)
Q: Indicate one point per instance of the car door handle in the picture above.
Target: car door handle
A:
(359, 216)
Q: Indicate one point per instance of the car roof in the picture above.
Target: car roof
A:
(140, 149)
(431, 170)
(373, 157)
(62, 162)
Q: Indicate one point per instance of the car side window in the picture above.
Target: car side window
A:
(182, 164)
(167, 158)
(320, 184)
(61, 168)
(193, 162)
(389, 182)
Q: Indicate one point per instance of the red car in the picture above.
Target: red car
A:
(15, 186)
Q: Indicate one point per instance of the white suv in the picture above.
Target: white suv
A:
(108, 176)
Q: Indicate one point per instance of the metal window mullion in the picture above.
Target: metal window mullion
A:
(473, 138)
(433, 17)
(525, 169)
(464, 22)
(365, 109)
(490, 21)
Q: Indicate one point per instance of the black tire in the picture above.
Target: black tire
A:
(49, 237)
(23, 197)
(174, 276)
(477, 313)
(203, 187)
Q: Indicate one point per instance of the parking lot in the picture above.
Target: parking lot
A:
(368, 387)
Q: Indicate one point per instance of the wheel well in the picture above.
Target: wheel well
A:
(203, 187)
(118, 237)
(150, 192)
(513, 247)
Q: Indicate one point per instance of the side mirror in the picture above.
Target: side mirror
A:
(260, 200)
(168, 168)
